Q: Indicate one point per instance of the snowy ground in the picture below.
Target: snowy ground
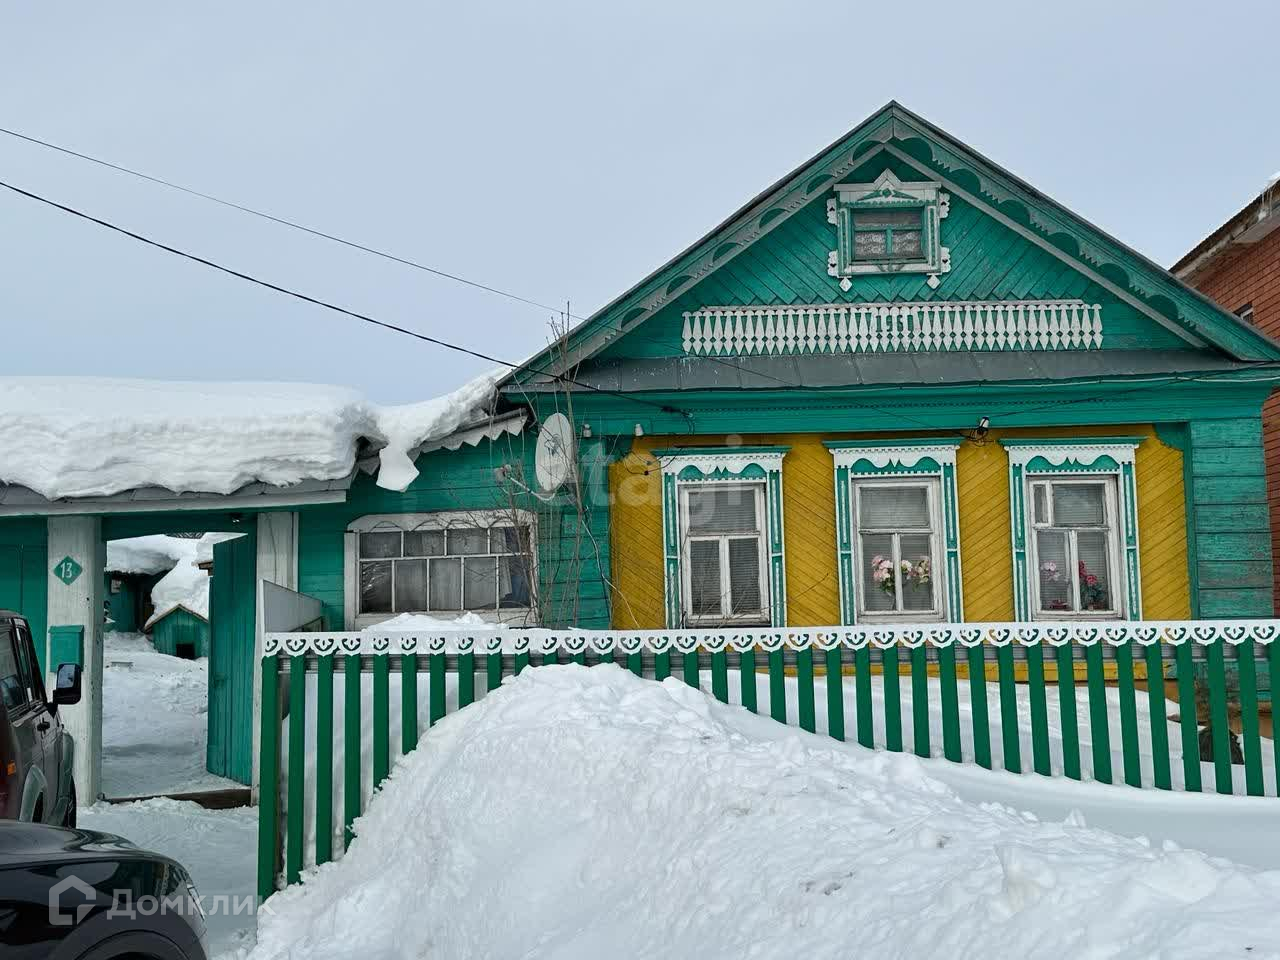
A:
(155, 715)
(218, 847)
(586, 813)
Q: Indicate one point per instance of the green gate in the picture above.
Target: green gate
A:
(232, 639)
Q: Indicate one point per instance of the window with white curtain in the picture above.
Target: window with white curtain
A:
(898, 534)
(445, 564)
(1074, 547)
(723, 558)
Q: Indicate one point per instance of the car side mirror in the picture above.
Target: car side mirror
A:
(67, 689)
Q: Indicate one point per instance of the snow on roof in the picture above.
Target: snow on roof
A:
(93, 436)
(150, 555)
(186, 585)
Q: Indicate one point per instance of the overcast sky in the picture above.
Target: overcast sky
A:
(557, 150)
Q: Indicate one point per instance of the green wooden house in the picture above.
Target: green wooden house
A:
(899, 385)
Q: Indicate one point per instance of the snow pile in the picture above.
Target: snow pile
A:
(584, 813)
(85, 436)
(185, 584)
(148, 555)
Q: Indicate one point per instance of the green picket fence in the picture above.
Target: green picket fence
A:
(1083, 701)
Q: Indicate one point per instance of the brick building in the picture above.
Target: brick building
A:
(1238, 265)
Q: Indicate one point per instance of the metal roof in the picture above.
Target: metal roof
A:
(881, 369)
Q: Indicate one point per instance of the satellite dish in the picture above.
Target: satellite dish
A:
(554, 456)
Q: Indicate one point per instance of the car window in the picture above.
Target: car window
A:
(28, 668)
(27, 653)
(12, 690)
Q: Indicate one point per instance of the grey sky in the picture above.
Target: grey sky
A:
(557, 150)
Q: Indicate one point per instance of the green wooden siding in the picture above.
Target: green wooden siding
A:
(122, 604)
(232, 649)
(989, 262)
(178, 629)
(24, 579)
(1228, 520)
(572, 571)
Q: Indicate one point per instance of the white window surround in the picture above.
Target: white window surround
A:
(760, 616)
(888, 194)
(1111, 527)
(908, 460)
(440, 520)
(933, 487)
(1032, 460)
(684, 467)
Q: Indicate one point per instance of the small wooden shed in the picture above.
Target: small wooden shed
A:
(181, 632)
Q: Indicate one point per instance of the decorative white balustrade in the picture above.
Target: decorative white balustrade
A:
(571, 643)
(898, 327)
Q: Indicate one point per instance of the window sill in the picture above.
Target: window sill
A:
(517, 616)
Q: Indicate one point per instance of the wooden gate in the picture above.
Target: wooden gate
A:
(232, 612)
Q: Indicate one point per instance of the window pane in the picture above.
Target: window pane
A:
(423, 543)
(1040, 501)
(1079, 505)
(878, 575)
(906, 243)
(375, 546)
(1055, 570)
(704, 577)
(504, 540)
(12, 692)
(868, 245)
(722, 509)
(513, 581)
(411, 585)
(479, 583)
(916, 569)
(1095, 581)
(895, 508)
(446, 584)
(468, 540)
(375, 587)
(897, 219)
(744, 576)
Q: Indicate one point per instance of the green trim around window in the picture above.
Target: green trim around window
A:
(1109, 456)
(692, 465)
(926, 457)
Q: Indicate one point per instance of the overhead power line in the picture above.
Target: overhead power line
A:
(285, 222)
(249, 278)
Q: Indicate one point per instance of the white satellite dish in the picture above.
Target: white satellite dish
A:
(554, 456)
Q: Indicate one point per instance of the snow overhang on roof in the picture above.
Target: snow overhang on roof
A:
(95, 445)
(469, 434)
(1260, 217)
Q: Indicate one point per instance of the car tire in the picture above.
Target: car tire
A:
(69, 819)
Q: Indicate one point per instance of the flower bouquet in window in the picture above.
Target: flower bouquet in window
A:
(884, 576)
(1050, 572)
(1093, 595)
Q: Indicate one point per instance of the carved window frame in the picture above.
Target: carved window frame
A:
(1035, 459)
(730, 465)
(888, 193)
(932, 458)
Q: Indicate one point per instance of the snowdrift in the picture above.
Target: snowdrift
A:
(584, 813)
(92, 436)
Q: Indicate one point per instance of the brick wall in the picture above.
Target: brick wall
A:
(1251, 274)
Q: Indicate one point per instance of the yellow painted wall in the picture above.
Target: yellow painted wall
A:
(813, 590)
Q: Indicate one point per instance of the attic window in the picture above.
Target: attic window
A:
(888, 234)
(889, 226)
(1245, 313)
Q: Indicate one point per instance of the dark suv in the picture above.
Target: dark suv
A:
(35, 751)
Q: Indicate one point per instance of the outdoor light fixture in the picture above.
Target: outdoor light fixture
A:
(586, 431)
(639, 430)
(983, 426)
